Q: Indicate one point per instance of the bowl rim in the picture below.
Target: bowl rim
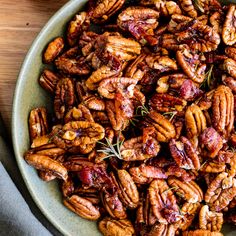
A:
(19, 82)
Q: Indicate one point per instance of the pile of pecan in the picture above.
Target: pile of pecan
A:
(142, 136)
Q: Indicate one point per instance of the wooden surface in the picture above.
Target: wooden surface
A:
(20, 22)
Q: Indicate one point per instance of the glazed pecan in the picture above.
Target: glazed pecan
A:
(213, 167)
(210, 220)
(53, 49)
(48, 80)
(68, 187)
(230, 82)
(109, 226)
(102, 10)
(162, 230)
(163, 202)
(231, 52)
(228, 32)
(229, 66)
(220, 192)
(223, 110)
(201, 232)
(189, 191)
(184, 154)
(82, 207)
(64, 97)
(195, 121)
(140, 22)
(80, 23)
(38, 123)
(188, 7)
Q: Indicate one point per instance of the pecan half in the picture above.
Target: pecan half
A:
(162, 230)
(188, 7)
(201, 232)
(229, 66)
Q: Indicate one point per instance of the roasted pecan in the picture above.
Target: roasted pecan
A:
(163, 202)
(90, 194)
(68, 187)
(64, 97)
(229, 66)
(191, 65)
(231, 52)
(228, 32)
(223, 110)
(76, 27)
(205, 102)
(201, 232)
(38, 123)
(48, 80)
(53, 49)
(213, 167)
(109, 226)
(230, 82)
(195, 121)
(140, 22)
(184, 154)
(162, 230)
(45, 163)
(101, 118)
(188, 7)
(210, 220)
(190, 191)
(220, 192)
(82, 207)
(101, 10)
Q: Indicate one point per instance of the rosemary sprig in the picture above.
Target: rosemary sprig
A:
(203, 164)
(141, 111)
(208, 77)
(171, 114)
(175, 187)
(111, 150)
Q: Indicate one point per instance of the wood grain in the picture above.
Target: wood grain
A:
(20, 23)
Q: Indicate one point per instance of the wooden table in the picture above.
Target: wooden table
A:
(20, 22)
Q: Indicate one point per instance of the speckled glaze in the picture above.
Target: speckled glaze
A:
(29, 94)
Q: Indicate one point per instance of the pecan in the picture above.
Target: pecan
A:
(195, 121)
(90, 194)
(210, 220)
(94, 102)
(64, 97)
(102, 10)
(53, 49)
(213, 167)
(140, 22)
(144, 174)
(228, 32)
(205, 102)
(82, 207)
(127, 189)
(109, 226)
(38, 123)
(77, 134)
(48, 80)
(100, 117)
(220, 192)
(211, 141)
(184, 154)
(230, 82)
(216, 21)
(191, 65)
(231, 52)
(68, 187)
(223, 110)
(165, 130)
(46, 175)
(82, 113)
(190, 191)
(201, 232)
(133, 149)
(229, 66)
(163, 202)
(188, 7)
(45, 163)
(162, 230)
(76, 27)
(109, 87)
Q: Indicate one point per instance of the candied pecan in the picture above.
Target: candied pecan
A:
(191, 65)
(228, 32)
(98, 75)
(48, 80)
(100, 117)
(53, 49)
(90, 194)
(190, 191)
(109, 87)
(64, 97)
(188, 7)
(213, 167)
(163, 202)
(232, 166)
(46, 175)
(162, 230)
(109, 226)
(212, 141)
(140, 22)
(223, 110)
(144, 174)
(229, 66)
(45, 163)
(201, 232)
(81, 113)
(184, 154)
(80, 23)
(230, 82)
(231, 52)
(127, 189)
(38, 123)
(218, 194)
(102, 10)
(195, 121)
(210, 220)
(133, 149)
(205, 102)
(165, 130)
(77, 134)
(82, 207)
(68, 187)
